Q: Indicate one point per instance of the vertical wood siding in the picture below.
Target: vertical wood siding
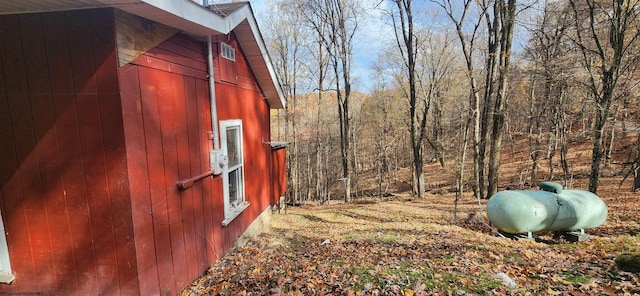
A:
(64, 195)
(91, 153)
(167, 119)
(167, 124)
(278, 174)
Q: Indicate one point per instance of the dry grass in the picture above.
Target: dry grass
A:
(408, 246)
(403, 246)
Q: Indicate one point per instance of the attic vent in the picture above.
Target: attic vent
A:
(227, 51)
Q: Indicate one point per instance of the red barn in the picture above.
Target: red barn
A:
(134, 142)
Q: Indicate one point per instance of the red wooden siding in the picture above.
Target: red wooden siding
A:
(168, 121)
(63, 171)
(91, 153)
(243, 100)
(235, 73)
(278, 174)
(167, 118)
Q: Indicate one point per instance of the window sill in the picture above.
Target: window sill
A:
(7, 278)
(234, 212)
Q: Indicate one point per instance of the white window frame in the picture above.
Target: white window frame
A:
(227, 51)
(6, 276)
(232, 210)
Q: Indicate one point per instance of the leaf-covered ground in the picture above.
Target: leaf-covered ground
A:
(404, 246)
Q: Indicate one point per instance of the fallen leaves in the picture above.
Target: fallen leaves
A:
(401, 247)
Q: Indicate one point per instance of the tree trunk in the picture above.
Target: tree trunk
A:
(562, 135)
(408, 49)
(326, 186)
(507, 19)
(563, 156)
(467, 46)
(380, 166)
(418, 174)
(438, 132)
(596, 152)
(478, 164)
(460, 169)
(552, 145)
(344, 149)
(490, 104)
(535, 136)
(611, 138)
(319, 176)
(602, 113)
(610, 55)
(319, 168)
(635, 167)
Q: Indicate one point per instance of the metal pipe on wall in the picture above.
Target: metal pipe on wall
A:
(216, 159)
(212, 95)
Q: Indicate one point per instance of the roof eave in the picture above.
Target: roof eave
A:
(194, 19)
(252, 43)
(186, 16)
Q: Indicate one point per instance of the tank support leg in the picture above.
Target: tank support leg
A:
(518, 236)
(573, 236)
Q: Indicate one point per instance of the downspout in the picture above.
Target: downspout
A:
(212, 96)
(216, 159)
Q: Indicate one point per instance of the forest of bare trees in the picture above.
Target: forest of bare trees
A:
(454, 83)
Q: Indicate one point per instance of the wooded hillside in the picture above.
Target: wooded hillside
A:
(450, 89)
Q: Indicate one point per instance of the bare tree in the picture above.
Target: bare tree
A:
(384, 126)
(407, 44)
(551, 57)
(499, 18)
(286, 42)
(504, 13)
(320, 58)
(605, 35)
(468, 46)
(436, 64)
(335, 22)
(635, 167)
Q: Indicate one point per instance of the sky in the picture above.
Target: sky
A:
(374, 33)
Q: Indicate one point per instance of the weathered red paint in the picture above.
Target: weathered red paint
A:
(62, 192)
(278, 174)
(91, 153)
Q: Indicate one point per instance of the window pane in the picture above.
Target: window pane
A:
(233, 146)
(233, 186)
(227, 51)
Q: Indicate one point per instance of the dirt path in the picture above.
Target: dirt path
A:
(409, 247)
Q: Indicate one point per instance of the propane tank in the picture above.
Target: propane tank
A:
(550, 209)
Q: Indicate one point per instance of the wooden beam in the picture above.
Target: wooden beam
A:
(136, 35)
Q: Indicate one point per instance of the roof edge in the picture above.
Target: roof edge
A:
(189, 17)
(246, 13)
(195, 19)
